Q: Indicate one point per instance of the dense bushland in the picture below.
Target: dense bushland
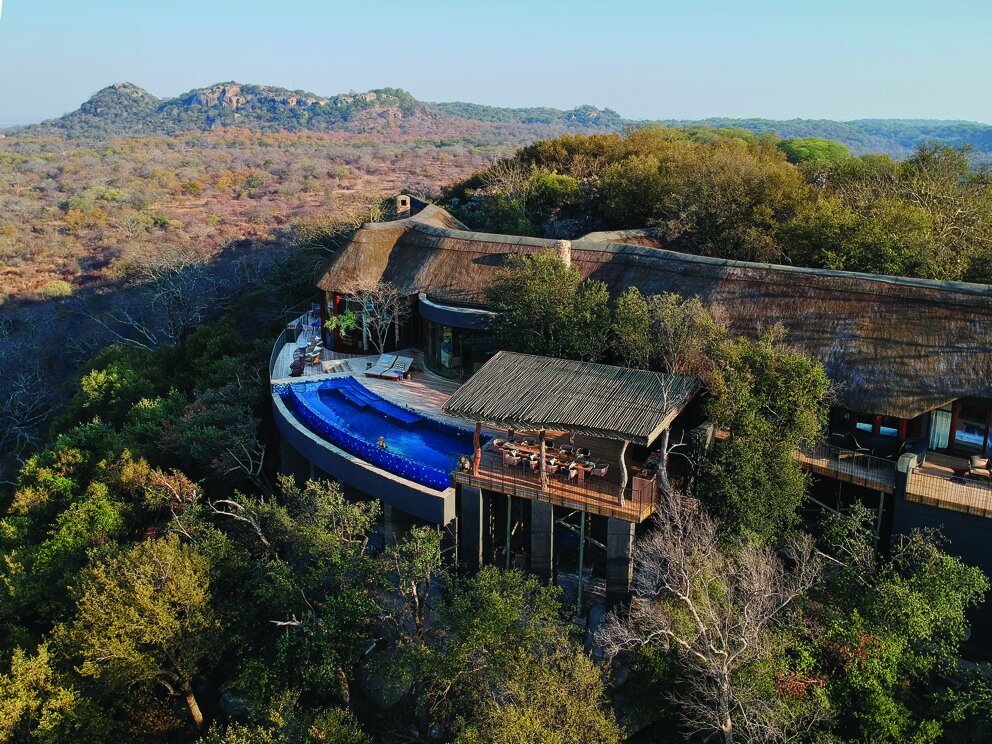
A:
(732, 194)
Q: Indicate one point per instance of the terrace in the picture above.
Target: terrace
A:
(577, 435)
(575, 488)
(940, 480)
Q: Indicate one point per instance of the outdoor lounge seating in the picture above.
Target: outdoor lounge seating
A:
(390, 367)
(980, 467)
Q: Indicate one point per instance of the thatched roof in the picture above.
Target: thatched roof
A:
(648, 237)
(521, 391)
(892, 346)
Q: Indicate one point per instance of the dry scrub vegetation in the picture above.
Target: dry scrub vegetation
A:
(74, 213)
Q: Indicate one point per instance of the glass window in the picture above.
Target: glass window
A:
(971, 435)
(889, 426)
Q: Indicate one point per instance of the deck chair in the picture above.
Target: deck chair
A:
(381, 366)
(402, 367)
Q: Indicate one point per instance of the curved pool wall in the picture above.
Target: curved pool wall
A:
(335, 425)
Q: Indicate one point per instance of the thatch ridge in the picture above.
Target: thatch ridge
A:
(893, 346)
(526, 392)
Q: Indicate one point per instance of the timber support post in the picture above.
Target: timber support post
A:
(477, 444)
(582, 560)
(509, 529)
(543, 437)
(619, 558)
(623, 472)
(542, 539)
(471, 523)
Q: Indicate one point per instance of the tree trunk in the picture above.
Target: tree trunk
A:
(726, 722)
(663, 463)
(623, 473)
(194, 707)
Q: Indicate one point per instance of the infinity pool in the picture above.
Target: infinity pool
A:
(350, 416)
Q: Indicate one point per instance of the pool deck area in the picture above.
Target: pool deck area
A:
(424, 392)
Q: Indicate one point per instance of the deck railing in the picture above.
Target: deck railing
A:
(595, 494)
(297, 320)
(950, 492)
(852, 466)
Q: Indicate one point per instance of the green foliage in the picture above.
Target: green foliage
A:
(328, 726)
(890, 629)
(631, 339)
(731, 194)
(56, 288)
(770, 399)
(144, 618)
(344, 323)
(39, 704)
(544, 307)
(547, 699)
(813, 149)
(506, 665)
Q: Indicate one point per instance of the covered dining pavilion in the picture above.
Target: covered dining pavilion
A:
(573, 439)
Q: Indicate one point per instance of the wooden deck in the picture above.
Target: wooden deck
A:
(848, 467)
(595, 495)
(347, 364)
(951, 492)
(427, 393)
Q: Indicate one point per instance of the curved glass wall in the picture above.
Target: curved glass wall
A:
(455, 353)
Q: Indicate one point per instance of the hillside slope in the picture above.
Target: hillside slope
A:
(124, 109)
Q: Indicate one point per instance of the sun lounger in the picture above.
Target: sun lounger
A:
(381, 366)
(398, 370)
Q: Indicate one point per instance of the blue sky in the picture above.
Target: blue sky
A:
(835, 59)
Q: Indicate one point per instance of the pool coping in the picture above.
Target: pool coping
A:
(411, 497)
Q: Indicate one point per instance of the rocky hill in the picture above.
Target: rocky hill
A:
(124, 109)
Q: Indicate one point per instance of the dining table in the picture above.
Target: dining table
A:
(582, 466)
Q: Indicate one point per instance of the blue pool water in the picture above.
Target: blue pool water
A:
(350, 416)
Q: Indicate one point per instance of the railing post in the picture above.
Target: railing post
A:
(477, 443)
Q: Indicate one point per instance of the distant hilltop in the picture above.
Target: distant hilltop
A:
(124, 109)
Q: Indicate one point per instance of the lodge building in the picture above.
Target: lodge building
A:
(910, 361)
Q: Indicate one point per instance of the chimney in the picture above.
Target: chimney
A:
(564, 249)
(402, 206)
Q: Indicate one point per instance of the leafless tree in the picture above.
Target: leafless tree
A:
(172, 297)
(683, 332)
(508, 177)
(26, 402)
(382, 310)
(713, 610)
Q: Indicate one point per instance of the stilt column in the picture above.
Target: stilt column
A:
(619, 558)
(471, 524)
(542, 539)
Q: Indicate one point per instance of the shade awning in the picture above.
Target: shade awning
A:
(522, 391)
